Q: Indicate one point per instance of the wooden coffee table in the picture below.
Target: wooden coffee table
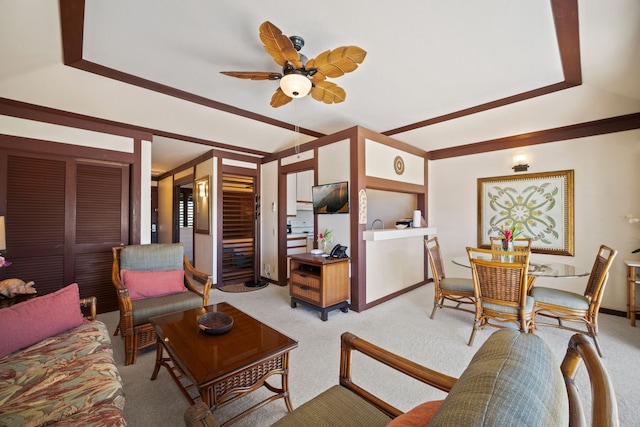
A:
(222, 368)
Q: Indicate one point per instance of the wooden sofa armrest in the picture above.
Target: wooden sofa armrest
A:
(604, 407)
(92, 303)
(203, 277)
(125, 326)
(350, 343)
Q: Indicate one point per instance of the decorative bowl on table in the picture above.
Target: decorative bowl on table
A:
(401, 226)
(215, 323)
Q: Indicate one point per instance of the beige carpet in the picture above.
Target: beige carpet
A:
(401, 325)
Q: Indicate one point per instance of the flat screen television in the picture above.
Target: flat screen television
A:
(330, 198)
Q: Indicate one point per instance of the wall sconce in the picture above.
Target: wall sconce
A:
(202, 190)
(3, 239)
(202, 213)
(520, 161)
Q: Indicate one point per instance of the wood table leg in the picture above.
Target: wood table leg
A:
(632, 295)
(285, 382)
(156, 369)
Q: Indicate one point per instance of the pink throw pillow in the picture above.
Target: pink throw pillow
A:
(145, 284)
(31, 321)
(419, 416)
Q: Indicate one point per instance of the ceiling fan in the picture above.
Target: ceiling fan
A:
(300, 76)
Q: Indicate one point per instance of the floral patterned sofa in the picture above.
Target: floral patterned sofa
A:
(68, 377)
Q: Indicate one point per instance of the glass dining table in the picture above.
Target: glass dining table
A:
(539, 269)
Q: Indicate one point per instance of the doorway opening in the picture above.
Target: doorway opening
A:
(240, 210)
(184, 217)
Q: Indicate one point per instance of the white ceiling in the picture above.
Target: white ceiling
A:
(424, 59)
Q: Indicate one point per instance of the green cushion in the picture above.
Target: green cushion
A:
(513, 380)
(144, 309)
(507, 309)
(457, 284)
(335, 407)
(153, 257)
(560, 297)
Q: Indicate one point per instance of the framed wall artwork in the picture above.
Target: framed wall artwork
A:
(203, 206)
(539, 204)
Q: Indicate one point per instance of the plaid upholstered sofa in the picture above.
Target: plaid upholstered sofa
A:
(57, 367)
(513, 380)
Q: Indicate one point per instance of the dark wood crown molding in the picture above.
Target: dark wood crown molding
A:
(564, 133)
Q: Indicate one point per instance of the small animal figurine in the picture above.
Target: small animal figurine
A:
(12, 287)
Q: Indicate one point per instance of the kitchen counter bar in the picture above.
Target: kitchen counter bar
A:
(392, 233)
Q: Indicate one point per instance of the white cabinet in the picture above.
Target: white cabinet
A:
(304, 182)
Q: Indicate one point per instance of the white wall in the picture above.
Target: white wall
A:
(607, 187)
(269, 219)
(205, 245)
(145, 194)
(165, 210)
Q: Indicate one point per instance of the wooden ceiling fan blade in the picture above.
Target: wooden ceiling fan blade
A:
(328, 92)
(253, 75)
(279, 99)
(337, 62)
(278, 45)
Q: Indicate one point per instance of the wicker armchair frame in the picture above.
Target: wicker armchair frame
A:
(442, 294)
(500, 283)
(593, 292)
(142, 336)
(604, 406)
(91, 303)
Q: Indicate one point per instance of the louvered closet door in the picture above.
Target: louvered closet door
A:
(35, 221)
(101, 223)
(238, 228)
(62, 219)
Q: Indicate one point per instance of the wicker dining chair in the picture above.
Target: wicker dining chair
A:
(500, 290)
(152, 260)
(572, 307)
(522, 244)
(455, 289)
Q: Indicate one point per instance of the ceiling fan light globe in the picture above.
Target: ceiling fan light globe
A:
(295, 85)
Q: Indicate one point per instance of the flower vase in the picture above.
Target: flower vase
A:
(324, 246)
(507, 247)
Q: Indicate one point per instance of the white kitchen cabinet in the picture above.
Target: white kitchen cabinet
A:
(304, 182)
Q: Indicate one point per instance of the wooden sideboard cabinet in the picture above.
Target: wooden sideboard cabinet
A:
(320, 283)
